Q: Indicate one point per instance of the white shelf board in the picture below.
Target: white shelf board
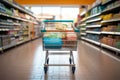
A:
(93, 26)
(92, 41)
(82, 28)
(110, 47)
(111, 20)
(82, 33)
(8, 46)
(82, 24)
(113, 33)
(93, 32)
(93, 20)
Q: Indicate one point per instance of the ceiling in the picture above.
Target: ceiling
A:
(55, 2)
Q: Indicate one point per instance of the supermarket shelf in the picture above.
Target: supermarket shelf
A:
(94, 20)
(111, 20)
(93, 26)
(82, 24)
(83, 20)
(1, 49)
(4, 29)
(83, 13)
(17, 18)
(113, 33)
(110, 9)
(110, 47)
(82, 28)
(17, 7)
(106, 2)
(93, 16)
(20, 42)
(92, 41)
(93, 32)
(83, 38)
(82, 33)
(8, 46)
(94, 6)
(11, 24)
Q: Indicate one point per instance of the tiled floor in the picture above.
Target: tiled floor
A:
(25, 62)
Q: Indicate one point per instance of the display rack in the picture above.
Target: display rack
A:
(15, 24)
(104, 25)
(59, 35)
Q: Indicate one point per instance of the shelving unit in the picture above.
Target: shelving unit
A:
(105, 26)
(110, 33)
(15, 24)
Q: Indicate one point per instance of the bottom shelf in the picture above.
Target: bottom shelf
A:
(92, 41)
(110, 47)
(102, 45)
(12, 45)
(8, 46)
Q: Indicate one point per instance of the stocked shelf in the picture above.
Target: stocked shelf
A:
(110, 47)
(93, 26)
(94, 20)
(111, 9)
(94, 6)
(8, 46)
(82, 28)
(9, 24)
(106, 2)
(93, 16)
(113, 33)
(103, 25)
(111, 20)
(93, 32)
(17, 25)
(83, 13)
(92, 41)
(83, 20)
(82, 33)
(82, 24)
(18, 7)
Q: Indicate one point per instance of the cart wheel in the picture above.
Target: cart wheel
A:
(73, 70)
(45, 69)
(70, 60)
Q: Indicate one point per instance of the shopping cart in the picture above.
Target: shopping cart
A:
(59, 35)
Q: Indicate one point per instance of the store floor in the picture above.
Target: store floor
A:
(25, 62)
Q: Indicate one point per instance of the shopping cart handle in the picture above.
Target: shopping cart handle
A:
(58, 21)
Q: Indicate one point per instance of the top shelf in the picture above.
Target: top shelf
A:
(18, 7)
(94, 6)
(110, 9)
(108, 1)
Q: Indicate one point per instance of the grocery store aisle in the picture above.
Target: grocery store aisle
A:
(25, 62)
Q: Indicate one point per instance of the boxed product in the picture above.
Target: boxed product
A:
(118, 28)
(117, 44)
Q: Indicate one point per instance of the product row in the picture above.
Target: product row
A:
(113, 41)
